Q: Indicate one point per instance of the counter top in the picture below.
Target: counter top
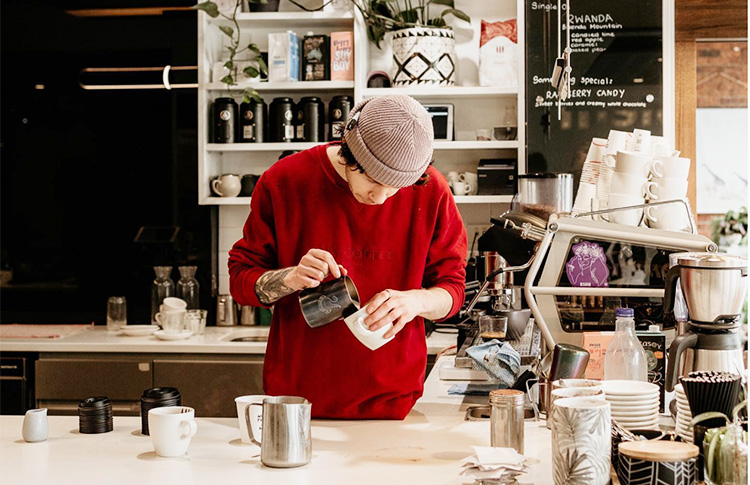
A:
(98, 339)
(426, 447)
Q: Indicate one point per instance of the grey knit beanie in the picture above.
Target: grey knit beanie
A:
(391, 138)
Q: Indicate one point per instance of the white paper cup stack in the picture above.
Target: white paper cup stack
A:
(635, 404)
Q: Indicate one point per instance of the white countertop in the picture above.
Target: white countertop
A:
(98, 339)
(427, 447)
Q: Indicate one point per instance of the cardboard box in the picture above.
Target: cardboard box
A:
(342, 56)
(283, 57)
(596, 343)
(316, 58)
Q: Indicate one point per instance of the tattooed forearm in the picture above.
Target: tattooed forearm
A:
(270, 286)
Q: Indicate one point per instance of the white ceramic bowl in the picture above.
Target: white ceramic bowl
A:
(373, 340)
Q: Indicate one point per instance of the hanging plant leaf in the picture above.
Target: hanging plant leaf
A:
(251, 71)
(229, 65)
(209, 7)
(229, 31)
(262, 65)
(457, 13)
(254, 49)
(228, 80)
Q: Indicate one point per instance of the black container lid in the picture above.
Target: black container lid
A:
(310, 99)
(95, 402)
(343, 97)
(253, 101)
(225, 100)
(283, 100)
(160, 394)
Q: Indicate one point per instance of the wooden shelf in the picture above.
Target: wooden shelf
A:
(291, 20)
(444, 91)
(226, 201)
(263, 87)
(280, 147)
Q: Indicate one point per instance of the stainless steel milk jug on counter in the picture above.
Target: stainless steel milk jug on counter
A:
(226, 311)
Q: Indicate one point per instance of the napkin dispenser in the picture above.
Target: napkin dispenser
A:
(497, 176)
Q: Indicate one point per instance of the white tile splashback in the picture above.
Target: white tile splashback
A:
(231, 221)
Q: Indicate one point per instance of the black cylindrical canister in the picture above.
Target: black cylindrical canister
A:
(281, 120)
(311, 119)
(253, 121)
(338, 112)
(225, 120)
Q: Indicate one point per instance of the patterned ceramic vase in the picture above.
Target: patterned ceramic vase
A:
(424, 57)
(581, 442)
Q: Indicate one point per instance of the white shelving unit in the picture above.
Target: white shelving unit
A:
(475, 107)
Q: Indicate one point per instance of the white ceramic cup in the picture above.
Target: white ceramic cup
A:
(35, 427)
(462, 188)
(452, 178)
(172, 303)
(625, 183)
(669, 217)
(171, 321)
(228, 185)
(471, 179)
(171, 429)
(671, 167)
(616, 141)
(581, 428)
(660, 146)
(630, 217)
(629, 162)
(256, 416)
(666, 189)
(562, 392)
(373, 340)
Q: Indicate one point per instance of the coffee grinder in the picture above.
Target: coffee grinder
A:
(714, 286)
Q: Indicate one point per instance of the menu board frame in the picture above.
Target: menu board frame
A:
(667, 88)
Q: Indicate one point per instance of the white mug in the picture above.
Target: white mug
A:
(671, 167)
(666, 189)
(452, 178)
(171, 321)
(462, 188)
(471, 179)
(171, 429)
(629, 162)
(625, 183)
(630, 217)
(35, 427)
(228, 185)
(256, 416)
(172, 303)
(670, 217)
(660, 146)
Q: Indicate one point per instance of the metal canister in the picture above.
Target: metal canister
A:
(338, 113)
(281, 120)
(253, 121)
(506, 419)
(224, 119)
(310, 119)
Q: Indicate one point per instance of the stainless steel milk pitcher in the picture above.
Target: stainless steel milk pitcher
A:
(285, 436)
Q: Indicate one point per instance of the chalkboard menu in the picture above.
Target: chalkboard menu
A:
(616, 82)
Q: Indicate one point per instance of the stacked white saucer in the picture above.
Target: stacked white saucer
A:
(682, 421)
(635, 404)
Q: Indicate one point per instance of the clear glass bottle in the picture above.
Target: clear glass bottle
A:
(188, 287)
(162, 287)
(625, 358)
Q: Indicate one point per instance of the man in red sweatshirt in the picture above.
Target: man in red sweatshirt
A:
(371, 207)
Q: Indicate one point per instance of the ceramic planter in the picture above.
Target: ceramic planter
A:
(424, 57)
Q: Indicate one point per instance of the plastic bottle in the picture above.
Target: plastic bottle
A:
(162, 287)
(625, 358)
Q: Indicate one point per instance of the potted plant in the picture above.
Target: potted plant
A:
(731, 230)
(424, 46)
(251, 64)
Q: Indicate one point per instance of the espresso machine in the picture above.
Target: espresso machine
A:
(714, 287)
